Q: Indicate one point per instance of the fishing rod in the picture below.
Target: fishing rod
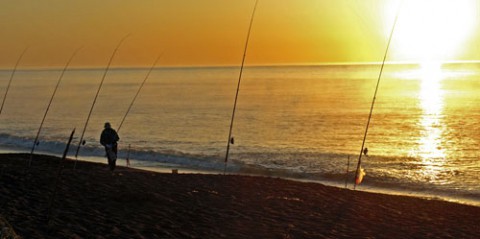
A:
(59, 174)
(138, 91)
(36, 142)
(375, 96)
(11, 78)
(133, 100)
(230, 139)
(96, 96)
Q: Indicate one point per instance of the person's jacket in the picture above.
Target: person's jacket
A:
(109, 136)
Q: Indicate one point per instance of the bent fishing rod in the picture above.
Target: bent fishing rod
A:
(96, 96)
(36, 142)
(375, 96)
(11, 78)
(138, 91)
(230, 139)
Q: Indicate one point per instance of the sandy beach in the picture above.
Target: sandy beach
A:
(91, 202)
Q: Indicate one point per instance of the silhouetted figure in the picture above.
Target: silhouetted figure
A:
(108, 139)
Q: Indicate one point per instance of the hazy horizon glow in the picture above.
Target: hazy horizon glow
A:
(213, 32)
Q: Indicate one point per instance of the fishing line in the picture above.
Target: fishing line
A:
(138, 91)
(375, 95)
(230, 139)
(96, 96)
(35, 142)
(11, 78)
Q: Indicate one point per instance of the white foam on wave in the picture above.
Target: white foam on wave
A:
(325, 168)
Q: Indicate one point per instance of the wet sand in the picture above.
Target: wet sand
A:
(91, 202)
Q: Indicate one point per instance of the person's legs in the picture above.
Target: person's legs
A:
(107, 154)
(112, 157)
(115, 148)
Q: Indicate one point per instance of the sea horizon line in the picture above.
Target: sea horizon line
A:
(305, 64)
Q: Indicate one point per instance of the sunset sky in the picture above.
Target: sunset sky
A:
(213, 32)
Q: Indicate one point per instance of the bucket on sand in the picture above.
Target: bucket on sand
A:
(174, 171)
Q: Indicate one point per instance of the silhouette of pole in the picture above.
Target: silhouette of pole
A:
(11, 78)
(138, 91)
(230, 139)
(96, 96)
(35, 142)
(59, 174)
(375, 95)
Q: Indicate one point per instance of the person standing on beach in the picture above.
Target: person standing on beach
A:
(109, 139)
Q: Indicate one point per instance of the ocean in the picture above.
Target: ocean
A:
(304, 122)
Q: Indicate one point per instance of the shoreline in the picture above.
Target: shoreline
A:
(167, 168)
(92, 202)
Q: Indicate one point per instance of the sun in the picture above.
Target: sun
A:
(433, 30)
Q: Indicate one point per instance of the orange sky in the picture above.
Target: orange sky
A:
(213, 32)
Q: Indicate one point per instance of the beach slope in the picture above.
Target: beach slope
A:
(91, 202)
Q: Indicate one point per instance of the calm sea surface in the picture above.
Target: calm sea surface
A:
(303, 122)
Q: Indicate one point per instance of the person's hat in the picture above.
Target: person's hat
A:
(107, 125)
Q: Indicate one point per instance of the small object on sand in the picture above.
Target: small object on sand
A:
(174, 171)
(361, 174)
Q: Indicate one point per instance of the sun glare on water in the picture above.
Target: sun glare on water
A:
(431, 149)
(431, 32)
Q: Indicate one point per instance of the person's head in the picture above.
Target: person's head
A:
(107, 125)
